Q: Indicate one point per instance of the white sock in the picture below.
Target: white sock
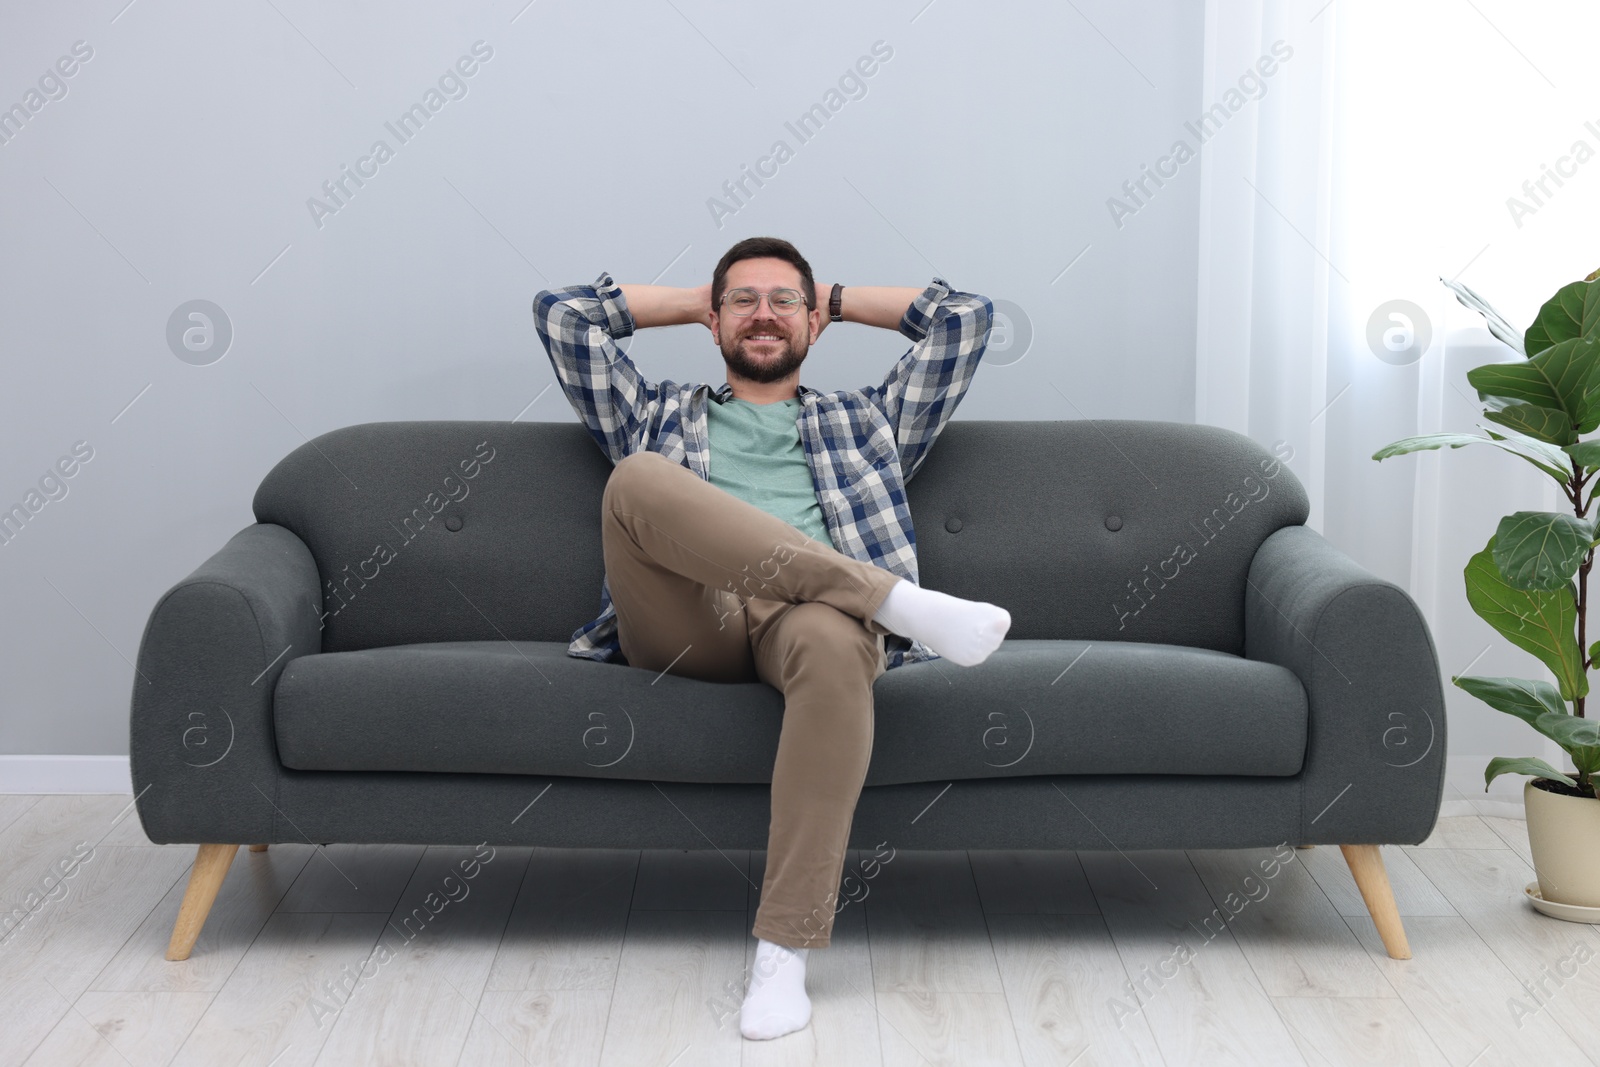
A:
(963, 631)
(776, 1003)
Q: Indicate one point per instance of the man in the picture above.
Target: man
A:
(760, 531)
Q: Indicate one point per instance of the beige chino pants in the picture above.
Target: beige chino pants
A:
(706, 585)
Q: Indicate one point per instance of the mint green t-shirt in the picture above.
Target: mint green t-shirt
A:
(757, 456)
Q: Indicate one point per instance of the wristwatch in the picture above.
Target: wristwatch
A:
(834, 312)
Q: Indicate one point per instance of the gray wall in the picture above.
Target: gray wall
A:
(176, 163)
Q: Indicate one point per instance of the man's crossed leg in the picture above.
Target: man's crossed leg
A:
(709, 586)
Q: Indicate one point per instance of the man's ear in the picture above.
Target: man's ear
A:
(716, 322)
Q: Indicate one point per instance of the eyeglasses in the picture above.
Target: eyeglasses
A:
(781, 301)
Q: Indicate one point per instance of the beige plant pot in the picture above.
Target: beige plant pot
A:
(1564, 834)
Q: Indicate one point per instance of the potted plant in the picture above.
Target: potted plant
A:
(1531, 581)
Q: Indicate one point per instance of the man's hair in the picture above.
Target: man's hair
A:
(763, 248)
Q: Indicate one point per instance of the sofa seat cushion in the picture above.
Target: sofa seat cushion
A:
(1033, 707)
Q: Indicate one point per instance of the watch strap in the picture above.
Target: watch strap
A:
(835, 301)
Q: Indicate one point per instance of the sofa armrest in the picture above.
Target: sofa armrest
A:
(1375, 742)
(201, 746)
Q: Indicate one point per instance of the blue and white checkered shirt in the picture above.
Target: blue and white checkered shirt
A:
(863, 444)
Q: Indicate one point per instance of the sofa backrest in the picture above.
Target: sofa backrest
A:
(1104, 530)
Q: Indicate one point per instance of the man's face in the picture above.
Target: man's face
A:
(764, 346)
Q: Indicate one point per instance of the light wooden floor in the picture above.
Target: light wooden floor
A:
(590, 957)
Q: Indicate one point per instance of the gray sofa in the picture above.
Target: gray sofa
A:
(382, 657)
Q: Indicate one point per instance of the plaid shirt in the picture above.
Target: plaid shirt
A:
(863, 445)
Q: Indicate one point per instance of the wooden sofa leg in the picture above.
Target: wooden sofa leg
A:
(211, 865)
(1366, 864)
(258, 848)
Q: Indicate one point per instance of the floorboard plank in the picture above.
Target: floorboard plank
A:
(674, 963)
(442, 939)
(1062, 976)
(1514, 833)
(1032, 882)
(1461, 831)
(255, 885)
(341, 877)
(1358, 1030)
(693, 880)
(1190, 979)
(49, 960)
(1287, 928)
(120, 1028)
(927, 928)
(947, 1030)
(1458, 989)
(534, 1027)
(1556, 962)
(48, 840)
(1413, 893)
(567, 926)
(12, 806)
(279, 1004)
(74, 937)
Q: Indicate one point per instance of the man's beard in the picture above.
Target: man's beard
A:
(768, 363)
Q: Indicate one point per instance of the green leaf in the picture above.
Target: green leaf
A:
(1567, 730)
(1543, 622)
(1496, 321)
(1579, 737)
(1586, 453)
(1586, 758)
(1428, 440)
(1538, 705)
(1541, 549)
(1552, 459)
(1432, 440)
(1536, 767)
(1547, 457)
(1522, 697)
(1573, 312)
(1543, 424)
(1563, 377)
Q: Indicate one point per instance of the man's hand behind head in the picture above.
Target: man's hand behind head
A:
(667, 305)
(701, 298)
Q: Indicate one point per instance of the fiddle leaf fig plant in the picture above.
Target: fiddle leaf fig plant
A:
(1531, 581)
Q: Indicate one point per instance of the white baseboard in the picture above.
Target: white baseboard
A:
(1502, 809)
(65, 774)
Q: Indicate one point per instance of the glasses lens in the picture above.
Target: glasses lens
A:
(782, 301)
(786, 301)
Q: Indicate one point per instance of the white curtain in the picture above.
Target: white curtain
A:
(1385, 154)
(1262, 331)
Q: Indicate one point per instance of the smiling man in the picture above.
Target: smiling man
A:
(759, 531)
